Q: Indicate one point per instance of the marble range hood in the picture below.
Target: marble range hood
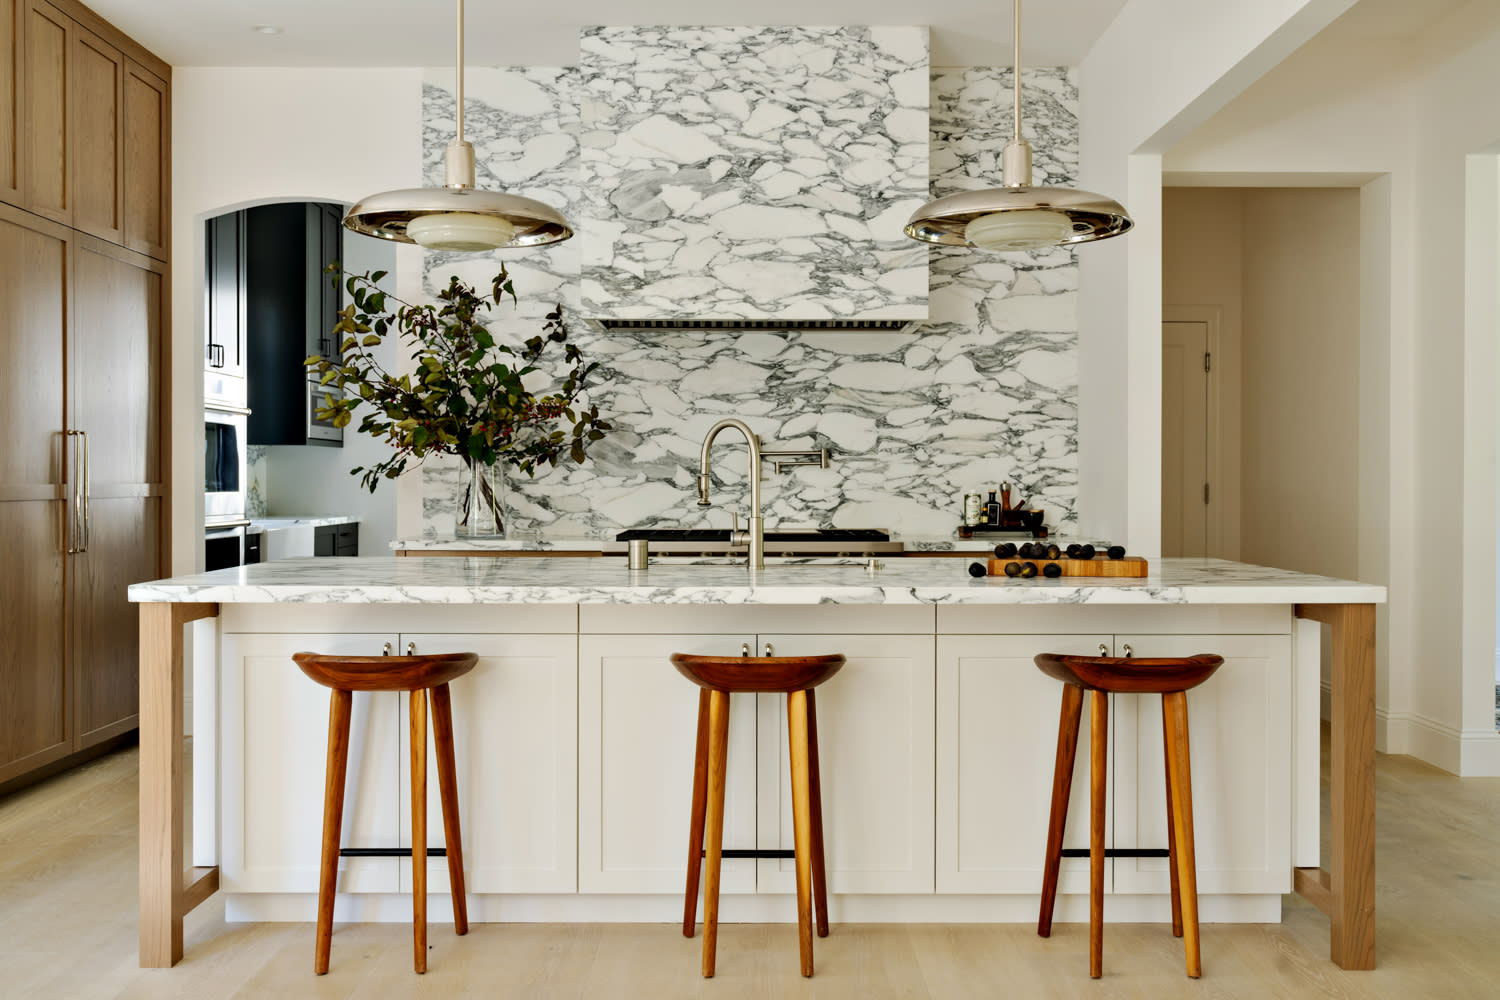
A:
(753, 177)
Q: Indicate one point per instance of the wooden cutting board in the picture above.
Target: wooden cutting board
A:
(1130, 566)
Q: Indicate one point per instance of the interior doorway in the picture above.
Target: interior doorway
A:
(1186, 492)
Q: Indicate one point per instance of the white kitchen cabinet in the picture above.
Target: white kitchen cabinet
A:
(997, 722)
(515, 740)
(637, 734)
(274, 745)
(1240, 734)
(875, 749)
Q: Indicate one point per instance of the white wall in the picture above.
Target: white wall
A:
(1161, 68)
(1421, 115)
(244, 136)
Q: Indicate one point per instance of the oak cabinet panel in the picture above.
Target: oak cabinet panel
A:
(48, 43)
(95, 136)
(147, 117)
(12, 61)
(33, 691)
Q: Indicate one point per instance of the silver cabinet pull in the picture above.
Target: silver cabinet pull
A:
(1103, 649)
(769, 651)
(387, 650)
(1128, 651)
(411, 649)
(744, 649)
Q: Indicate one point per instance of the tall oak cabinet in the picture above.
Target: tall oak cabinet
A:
(84, 213)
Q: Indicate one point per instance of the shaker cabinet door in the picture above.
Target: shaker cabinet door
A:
(12, 105)
(274, 744)
(875, 750)
(515, 740)
(147, 116)
(96, 136)
(996, 745)
(637, 733)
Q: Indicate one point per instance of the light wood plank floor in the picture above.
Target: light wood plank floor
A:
(67, 929)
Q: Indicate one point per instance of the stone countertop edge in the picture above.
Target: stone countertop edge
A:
(916, 543)
(392, 580)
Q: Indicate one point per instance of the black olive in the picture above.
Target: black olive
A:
(1028, 570)
(1073, 550)
(1086, 551)
(1013, 569)
(977, 570)
(1052, 569)
(1005, 550)
(1117, 552)
(1053, 552)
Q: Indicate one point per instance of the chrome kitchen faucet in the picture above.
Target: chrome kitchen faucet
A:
(754, 535)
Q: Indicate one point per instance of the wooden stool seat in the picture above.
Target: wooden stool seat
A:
(421, 676)
(1172, 678)
(719, 677)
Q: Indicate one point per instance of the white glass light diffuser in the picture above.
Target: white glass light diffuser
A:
(1018, 216)
(458, 216)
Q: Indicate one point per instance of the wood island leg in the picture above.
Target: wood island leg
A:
(1346, 892)
(167, 890)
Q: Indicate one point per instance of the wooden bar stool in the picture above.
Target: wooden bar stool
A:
(719, 677)
(417, 675)
(1172, 678)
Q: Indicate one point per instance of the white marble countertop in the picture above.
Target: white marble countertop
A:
(391, 580)
(264, 524)
(909, 543)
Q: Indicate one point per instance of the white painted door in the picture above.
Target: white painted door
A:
(997, 721)
(1240, 733)
(875, 748)
(515, 736)
(637, 733)
(1185, 497)
(274, 744)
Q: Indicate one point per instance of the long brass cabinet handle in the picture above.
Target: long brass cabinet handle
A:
(88, 527)
(78, 495)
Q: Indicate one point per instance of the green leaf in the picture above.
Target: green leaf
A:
(372, 340)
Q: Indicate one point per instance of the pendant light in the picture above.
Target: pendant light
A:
(1018, 216)
(458, 216)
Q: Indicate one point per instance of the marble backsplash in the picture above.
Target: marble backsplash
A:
(753, 172)
(983, 393)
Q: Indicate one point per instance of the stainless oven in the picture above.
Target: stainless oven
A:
(318, 429)
(225, 464)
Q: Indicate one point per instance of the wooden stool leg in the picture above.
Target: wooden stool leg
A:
(815, 785)
(695, 828)
(1062, 787)
(1166, 727)
(418, 716)
(1175, 711)
(796, 717)
(333, 818)
(1099, 742)
(718, 761)
(447, 769)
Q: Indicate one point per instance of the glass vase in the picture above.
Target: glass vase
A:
(481, 511)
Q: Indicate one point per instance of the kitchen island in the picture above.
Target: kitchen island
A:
(575, 737)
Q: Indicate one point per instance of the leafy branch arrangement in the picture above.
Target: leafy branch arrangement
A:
(467, 396)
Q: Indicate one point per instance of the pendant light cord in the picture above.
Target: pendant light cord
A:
(460, 72)
(1016, 10)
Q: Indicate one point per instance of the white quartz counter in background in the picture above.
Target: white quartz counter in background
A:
(594, 581)
(951, 543)
(262, 524)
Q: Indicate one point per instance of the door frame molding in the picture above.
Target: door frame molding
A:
(1223, 426)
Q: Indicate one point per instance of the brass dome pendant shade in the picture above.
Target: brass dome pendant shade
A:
(1018, 216)
(458, 216)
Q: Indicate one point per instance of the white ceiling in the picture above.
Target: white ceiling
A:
(421, 32)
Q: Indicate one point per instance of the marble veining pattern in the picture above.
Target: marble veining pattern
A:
(753, 172)
(333, 580)
(985, 393)
(258, 489)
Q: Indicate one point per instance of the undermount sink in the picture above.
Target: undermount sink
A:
(805, 541)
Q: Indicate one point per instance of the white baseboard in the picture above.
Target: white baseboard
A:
(752, 908)
(1472, 754)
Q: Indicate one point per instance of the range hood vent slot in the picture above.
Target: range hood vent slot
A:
(826, 325)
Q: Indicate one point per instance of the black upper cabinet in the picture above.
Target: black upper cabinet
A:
(291, 307)
(225, 245)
